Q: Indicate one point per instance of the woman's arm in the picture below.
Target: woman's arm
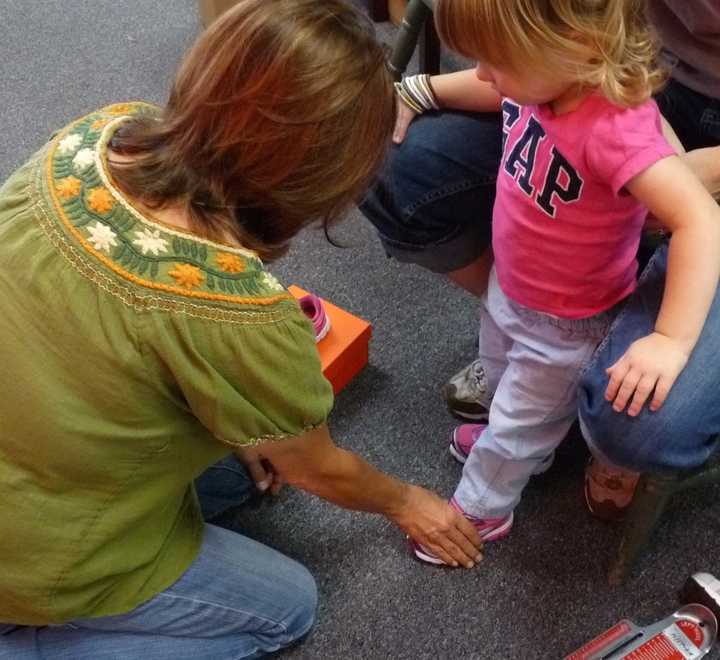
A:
(315, 464)
(461, 90)
(704, 163)
(679, 201)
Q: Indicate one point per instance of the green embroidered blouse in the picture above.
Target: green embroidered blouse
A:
(133, 357)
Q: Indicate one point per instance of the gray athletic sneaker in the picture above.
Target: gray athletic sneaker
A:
(466, 393)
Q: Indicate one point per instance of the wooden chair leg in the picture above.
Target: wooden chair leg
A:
(378, 10)
(416, 16)
(651, 495)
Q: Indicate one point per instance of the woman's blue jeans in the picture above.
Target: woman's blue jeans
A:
(432, 205)
(238, 599)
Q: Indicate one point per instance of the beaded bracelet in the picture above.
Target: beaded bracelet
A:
(417, 93)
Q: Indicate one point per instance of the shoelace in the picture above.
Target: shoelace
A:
(479, 380)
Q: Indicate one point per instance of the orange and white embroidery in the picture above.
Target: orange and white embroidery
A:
(230, 263)
(134, 247)
(102, 237)
(69, 143)
(150, 242)
(100, 200)
(68, 187)
(99, 123)
(187, 275)
(271, 282)
(83, 159)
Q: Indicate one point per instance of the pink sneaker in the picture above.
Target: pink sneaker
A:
(315, 311)
(466, 435)
(489, 529)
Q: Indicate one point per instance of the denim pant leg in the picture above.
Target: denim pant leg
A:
(683, 433)
(432, 204)
(534, 405)
(224, 485)
(238, 599)
(694, 116)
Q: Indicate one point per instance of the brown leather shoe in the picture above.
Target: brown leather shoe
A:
(608, 490)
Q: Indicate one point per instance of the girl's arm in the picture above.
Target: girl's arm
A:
(463, 90)
(677, 198)
(454, 91)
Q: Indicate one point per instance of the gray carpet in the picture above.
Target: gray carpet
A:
(541, 592)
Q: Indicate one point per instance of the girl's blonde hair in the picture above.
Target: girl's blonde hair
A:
(603, 44)
(279, 116)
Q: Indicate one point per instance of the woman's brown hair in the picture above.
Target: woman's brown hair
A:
(278, 117)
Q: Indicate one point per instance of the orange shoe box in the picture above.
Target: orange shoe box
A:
(344, 350)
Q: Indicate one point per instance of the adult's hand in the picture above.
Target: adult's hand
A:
(315, 464)
(434, 524)
(405, 115)
(261, 470)
(460, 90)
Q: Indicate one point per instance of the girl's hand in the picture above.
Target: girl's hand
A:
(405, 115)
(651, 363)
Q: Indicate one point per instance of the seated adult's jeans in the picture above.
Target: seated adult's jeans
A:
(684, 432)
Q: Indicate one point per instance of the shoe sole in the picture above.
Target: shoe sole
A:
(473, 416)
(455, 452)
(324, 330)
(606, 510)
(495, 534)
(460, 458)
(462, 409)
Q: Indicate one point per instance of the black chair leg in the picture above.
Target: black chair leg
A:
(378, 10)
(651, 496)
(430, 49)
(415, 19)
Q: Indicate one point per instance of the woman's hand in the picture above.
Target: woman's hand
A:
(405, 115)
(434, 524)
(652, 363)
(315, 464)
(261, 470)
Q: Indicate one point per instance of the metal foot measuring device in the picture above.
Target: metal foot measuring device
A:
(687, 634)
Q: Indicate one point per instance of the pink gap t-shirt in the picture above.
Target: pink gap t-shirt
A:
(565, 232)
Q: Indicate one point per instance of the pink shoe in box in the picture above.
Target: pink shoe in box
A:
(315, 311)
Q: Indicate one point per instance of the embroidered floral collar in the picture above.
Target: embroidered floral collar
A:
(97, 216)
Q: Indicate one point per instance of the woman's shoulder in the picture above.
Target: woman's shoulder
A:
(145, 264)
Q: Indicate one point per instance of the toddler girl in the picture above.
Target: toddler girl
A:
(584, 159)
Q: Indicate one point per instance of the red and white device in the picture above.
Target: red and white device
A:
(687, 634)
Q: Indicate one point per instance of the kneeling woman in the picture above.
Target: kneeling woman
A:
(143, 341)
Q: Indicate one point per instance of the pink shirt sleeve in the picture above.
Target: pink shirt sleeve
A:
(625, 142)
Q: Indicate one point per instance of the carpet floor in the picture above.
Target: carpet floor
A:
(541, 592)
